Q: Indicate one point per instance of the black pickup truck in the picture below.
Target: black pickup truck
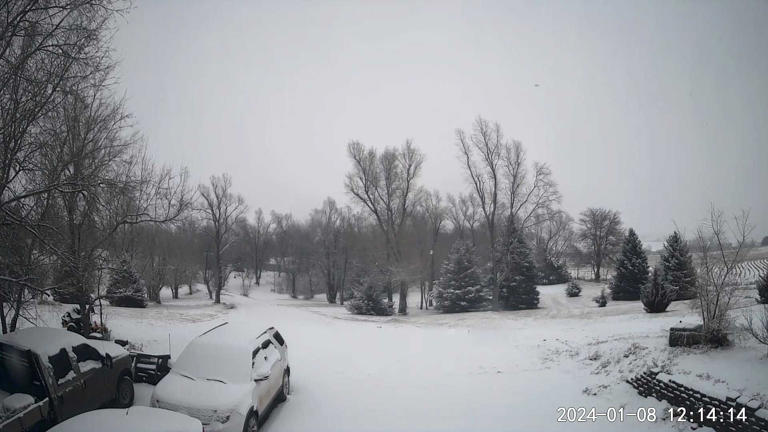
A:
(48, 375)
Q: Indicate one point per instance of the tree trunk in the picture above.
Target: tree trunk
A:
(597, 272)
(402, 307)
(421, 296)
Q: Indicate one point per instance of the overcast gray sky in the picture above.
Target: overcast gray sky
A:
(653, 108)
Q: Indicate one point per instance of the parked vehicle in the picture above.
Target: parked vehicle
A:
(48, 375)
(134, 419)
(227, 379)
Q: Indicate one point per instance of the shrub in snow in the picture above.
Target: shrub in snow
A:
(573, 289)
(73, 321)
(459, 288)
(517, 274)
(368, 301)
(657, 294)
(762, 288)
(631, 270)
(678, 267)
(602, 299)
(126, 288)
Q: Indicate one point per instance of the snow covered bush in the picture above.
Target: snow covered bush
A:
(678, 268)
(762, 288)
(657, 294)
(459, 288)
(631, 270)
(601, 299)
(517, 273)
(573, 289)
(126, 288)
(368, 301)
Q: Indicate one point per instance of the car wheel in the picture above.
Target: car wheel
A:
(285, 388)
(124, 396)
(251, 422)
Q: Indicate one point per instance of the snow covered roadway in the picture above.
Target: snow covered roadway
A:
(490, 371)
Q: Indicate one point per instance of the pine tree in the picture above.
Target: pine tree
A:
(657, 294)
(126, 288)
(678, 267)
(762, 288)
(631, 270)
(573, 289)
(517, 273)
(459, 288)
(368, 301)
(602, 299)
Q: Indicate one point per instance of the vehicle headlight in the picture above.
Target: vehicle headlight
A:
(221, 417)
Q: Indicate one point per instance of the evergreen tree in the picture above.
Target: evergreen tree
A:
(762, 288)
(573, 289)
(517, 273)
(459, 288)
(126, 288)
(678, 269)
(657, 294)
(601, 299)
(368, 301)
(631, 270)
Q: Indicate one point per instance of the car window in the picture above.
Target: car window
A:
(85, 352)
(88, 357)
(279, 338)
(62, 367)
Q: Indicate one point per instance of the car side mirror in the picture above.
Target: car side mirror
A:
(108, 361)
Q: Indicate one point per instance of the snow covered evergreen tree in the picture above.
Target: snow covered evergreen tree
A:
(368, 301)
(126, 288)
(657, 294)
(573, 289)
(678, 267)
(601, 299)
(631, 270)
(517, 273)
(762, 288)
(459, 288)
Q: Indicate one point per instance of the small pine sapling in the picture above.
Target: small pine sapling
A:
(602, 299)
(657, 294)
(573, 289)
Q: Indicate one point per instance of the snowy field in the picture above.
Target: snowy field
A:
(489, 371)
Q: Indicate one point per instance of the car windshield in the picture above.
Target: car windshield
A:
(214, 362)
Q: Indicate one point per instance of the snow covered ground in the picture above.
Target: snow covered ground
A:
(435, 372)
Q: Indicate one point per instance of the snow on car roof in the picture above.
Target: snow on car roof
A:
(47, 341)
(44, 341)
(137, 418)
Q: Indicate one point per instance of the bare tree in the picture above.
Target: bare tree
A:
(330, 223)
(716, 275)
(482, 153)
(553, 234)
(385, 184)
(436, 215)
(222, 209)
(529, 200)
(257, 237)
(601, 234)
(757, 327)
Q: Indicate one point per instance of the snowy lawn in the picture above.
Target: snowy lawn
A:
(434, 372)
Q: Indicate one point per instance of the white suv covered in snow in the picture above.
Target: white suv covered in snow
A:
(228, 378)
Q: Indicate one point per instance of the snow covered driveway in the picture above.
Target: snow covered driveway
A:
(485, 371)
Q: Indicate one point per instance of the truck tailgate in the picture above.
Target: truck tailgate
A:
(27, 419)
